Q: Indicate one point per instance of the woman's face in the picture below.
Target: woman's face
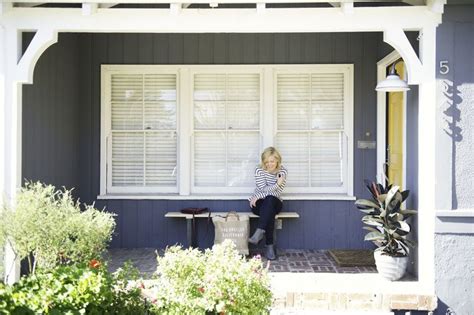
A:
(271, 164)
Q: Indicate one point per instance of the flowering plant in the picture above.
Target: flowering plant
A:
(216, 281)
(65, 235)
(85, 288)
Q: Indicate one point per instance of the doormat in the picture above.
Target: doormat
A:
(353, 257)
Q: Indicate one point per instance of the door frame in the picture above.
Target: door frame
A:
(382, 119)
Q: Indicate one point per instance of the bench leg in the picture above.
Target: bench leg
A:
(275, 233)
(189, 232)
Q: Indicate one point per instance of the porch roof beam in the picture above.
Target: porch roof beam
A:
(371, 19)
(411, 2)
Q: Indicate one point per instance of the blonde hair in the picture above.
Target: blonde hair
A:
(270, 151)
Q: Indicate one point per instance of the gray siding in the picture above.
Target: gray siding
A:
(323, 224)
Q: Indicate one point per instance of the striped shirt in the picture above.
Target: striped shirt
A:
(267, 183)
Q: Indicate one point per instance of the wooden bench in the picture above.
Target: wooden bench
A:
(189, 218)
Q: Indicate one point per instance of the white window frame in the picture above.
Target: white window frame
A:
(106, 128)
(348, 140)
(185, 128)
(221, 69)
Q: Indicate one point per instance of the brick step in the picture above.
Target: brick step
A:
(349, 293)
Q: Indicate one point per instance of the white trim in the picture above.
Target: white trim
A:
(11, 124)
(363, 19)
(268, 117)
(404, 135)
(455, 213)
(43, 39)
(5, 7)
(426, 154)
(397, 39)
(182, 2)
(222, 197)
(348, 146)
(459, 221)
(89, 8)
(185, 122)
(184, 125)
(349, 127)
(220, 69)
(437, 6)
(104, 125)
(105, 141)
(382, 120)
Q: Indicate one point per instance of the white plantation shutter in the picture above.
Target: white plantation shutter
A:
(127, 158)
(143, 144)
(226, 129)
(310, 128)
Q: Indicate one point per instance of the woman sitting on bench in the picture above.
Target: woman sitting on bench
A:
(270, 179)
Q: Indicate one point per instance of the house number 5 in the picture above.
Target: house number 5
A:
(443, 67)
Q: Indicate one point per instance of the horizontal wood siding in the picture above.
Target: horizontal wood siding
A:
(323, 224)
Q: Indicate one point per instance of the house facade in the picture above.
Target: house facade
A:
(152, 107)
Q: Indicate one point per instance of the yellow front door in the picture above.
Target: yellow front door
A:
(395, 133)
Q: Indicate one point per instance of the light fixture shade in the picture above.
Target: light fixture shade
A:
(392, 83)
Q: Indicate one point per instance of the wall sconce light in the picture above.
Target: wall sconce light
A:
(392, 83)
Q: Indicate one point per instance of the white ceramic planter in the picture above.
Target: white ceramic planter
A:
(391, 268)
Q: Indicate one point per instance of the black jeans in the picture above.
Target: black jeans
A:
(267, 209)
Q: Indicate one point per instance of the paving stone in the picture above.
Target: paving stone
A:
(289, 260)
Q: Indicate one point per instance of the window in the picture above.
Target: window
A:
(142, 136)
(226, 119)
(311, 132)
(190, 129)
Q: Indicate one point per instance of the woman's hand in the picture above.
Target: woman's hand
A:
(253, 202)
(281, 179)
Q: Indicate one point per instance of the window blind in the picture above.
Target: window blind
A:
(226, 128)
(310, 127)
(143, 130)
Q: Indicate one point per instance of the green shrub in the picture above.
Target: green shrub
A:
(47, 227)
(6, 303)
(74, 289)
(216, 281)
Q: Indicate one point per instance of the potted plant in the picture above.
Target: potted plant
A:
(388, 229)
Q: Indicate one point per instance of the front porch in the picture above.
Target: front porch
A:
(53, 128)
(305, 281)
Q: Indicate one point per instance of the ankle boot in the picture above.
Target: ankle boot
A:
(257, 236)
(270, 252)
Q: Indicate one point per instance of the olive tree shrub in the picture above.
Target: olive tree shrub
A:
(48, 228)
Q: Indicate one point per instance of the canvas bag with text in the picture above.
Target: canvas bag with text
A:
(233, 227)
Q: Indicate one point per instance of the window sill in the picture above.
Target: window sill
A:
(455, 213)
(221, 197)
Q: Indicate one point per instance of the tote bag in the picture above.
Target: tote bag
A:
(233, 227)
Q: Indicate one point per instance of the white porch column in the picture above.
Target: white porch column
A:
(426, 158)
(10, 134)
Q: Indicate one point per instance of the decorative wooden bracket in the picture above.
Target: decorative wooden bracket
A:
(41, 41)
(398, 40)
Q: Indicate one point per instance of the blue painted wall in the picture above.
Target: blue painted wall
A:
(62, 125)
